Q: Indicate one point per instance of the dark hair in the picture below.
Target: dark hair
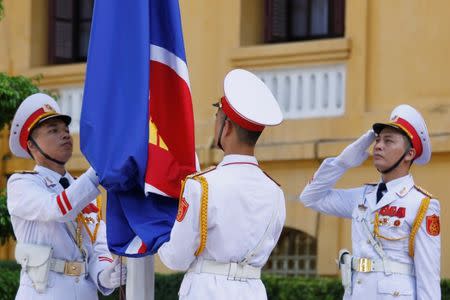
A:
(246, 136)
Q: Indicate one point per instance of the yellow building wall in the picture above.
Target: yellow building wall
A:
(395, 52)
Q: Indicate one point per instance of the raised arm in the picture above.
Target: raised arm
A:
(319, 193)
(29, 200)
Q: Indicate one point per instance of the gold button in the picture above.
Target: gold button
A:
(74, 268)
(396, 294)
(359, 281)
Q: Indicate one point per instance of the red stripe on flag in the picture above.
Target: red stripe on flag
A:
(61, 206)
(142, 249)
(171, 111)
(66, 200)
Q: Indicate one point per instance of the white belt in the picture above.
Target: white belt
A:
(368, 265)
(70, 268)
(234, 271)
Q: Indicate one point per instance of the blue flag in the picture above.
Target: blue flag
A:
(136, 95)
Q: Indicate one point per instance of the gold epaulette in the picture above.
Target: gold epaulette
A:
(209, 169)
(26, 172)
(423, 191)
(416, 224)
(203, 220)
(203, 214)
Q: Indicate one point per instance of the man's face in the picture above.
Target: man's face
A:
(54, 139)
(389, 146)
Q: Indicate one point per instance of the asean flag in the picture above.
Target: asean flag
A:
(137, 126)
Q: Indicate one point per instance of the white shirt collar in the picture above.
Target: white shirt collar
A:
(238, 158)
(400, 185)
(50, 174)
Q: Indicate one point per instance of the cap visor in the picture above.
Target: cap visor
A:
(66, 119)
(378, 127)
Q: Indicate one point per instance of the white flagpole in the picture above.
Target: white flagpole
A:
(141, 278)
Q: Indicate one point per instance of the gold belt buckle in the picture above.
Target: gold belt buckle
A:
(72, 268)
(364, 265)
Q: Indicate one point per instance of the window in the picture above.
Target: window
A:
(297, 20)
(69, 30)
(294, 255)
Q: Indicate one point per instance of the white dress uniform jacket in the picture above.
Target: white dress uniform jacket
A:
(43, 213)
(242, 200)
(397, 211)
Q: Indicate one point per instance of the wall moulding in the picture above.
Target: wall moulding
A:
(291, 53)
(58, 75)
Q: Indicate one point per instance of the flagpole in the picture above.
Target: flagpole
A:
(140, 278)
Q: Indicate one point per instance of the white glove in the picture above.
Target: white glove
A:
(110, 277)
(356, 153)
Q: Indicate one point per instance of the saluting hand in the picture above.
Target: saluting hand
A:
(356, 153)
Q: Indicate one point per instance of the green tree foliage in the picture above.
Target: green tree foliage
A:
(6, 230)
(13, 90)
(1, 9)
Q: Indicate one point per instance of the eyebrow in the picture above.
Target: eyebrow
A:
(387, 135)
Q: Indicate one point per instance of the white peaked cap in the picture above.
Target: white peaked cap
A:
(248, 101)
(34, 110)
(407, 119)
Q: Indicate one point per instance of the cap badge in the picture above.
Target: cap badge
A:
(48, 108)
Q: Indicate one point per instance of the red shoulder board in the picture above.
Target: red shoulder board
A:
(433, 225)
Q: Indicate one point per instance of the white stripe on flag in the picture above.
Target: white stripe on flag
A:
(134, 246)
(174, 62)
(151, 189)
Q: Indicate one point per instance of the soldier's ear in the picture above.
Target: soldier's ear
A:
(228, 127)
(409, 157)
(30, 145)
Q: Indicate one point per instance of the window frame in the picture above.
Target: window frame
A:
(75, 21)
(335, 21)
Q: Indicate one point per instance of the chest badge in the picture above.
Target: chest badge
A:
(393, 211)
(433, 225)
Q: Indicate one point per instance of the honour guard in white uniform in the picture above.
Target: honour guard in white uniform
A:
(230, 217)
(61, 239)
(395, 223)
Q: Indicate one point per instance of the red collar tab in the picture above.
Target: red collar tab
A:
(412, 133)
(237, 118)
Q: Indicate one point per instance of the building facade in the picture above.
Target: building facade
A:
(336, 67)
